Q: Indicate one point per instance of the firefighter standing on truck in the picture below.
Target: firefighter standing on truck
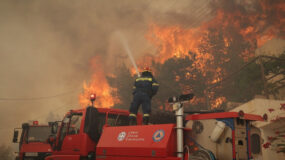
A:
(144, 89)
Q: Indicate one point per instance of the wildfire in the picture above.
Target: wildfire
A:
(174, 41)
(218, 101)
(231, 34)
(240, 33)
(98, 85)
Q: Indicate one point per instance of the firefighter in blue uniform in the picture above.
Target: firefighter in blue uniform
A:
(144, 89)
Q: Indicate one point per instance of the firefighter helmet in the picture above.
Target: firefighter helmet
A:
(146, 69)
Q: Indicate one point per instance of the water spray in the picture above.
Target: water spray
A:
(127, 48)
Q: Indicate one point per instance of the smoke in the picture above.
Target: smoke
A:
(6, 152)
(46, 47)
(51, 117)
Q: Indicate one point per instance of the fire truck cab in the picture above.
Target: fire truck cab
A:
(80, 130)
(33, 143)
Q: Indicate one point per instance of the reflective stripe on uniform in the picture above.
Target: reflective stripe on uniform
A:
(155, 84)
(144, 79)
(132, 115)
(146, 115)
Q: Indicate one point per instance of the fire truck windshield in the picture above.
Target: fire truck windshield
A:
(38, 133)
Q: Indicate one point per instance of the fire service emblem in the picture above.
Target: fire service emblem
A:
(121, 136)
(158, 135)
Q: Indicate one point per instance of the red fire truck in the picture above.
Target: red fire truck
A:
(33, 143)
(103, 134)
(80, 131)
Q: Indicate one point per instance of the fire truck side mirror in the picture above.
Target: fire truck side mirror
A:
(15, 137)
(54, 127)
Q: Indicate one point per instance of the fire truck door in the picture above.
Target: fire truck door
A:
(72, 141)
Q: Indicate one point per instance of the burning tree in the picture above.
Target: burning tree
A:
(198, 58)
(106, 95)
(217, 48)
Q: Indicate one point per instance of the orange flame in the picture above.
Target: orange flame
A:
(105, 95)
(178, 42)
(175, 41)
(218, 101)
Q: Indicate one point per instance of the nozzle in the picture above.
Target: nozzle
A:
(181, 98)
